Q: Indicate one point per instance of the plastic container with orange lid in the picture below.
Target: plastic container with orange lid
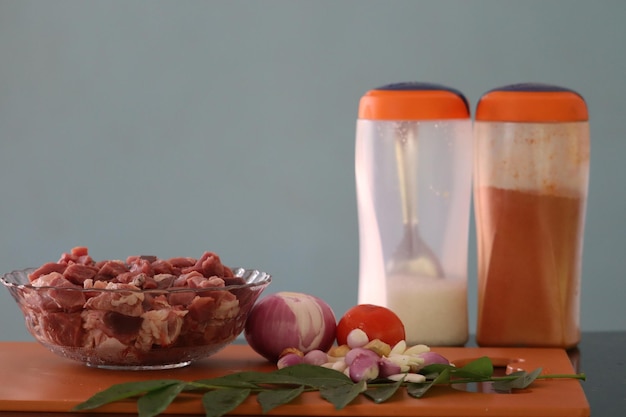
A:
(413, 166)
(531, 174)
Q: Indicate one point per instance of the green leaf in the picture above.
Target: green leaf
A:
(522, 381)
(279, 387)
(417, 390)
(124, 390)
(316, 376)
(257, 377)
(342, 395)
(319, 383)
(221, 382)
(156, 401)
(302, 374)
(431, 371)
(384, 392)
(481, 368)
(219, 402)
(304, 370)
(273, 398)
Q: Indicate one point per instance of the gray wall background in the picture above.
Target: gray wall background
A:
(171, 128)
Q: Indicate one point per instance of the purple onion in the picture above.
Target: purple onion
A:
(388, 368)
(356, 352)
(431, 358)
(289, 359)
(316, 357)
(364, 367)
(290, 320)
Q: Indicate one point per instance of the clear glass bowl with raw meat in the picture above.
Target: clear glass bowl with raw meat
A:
(142, 313)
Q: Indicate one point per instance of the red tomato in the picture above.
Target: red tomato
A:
(376, 321)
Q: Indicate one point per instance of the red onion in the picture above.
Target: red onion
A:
(290, 320)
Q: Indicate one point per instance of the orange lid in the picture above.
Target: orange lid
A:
(531, 102)
(413, 101)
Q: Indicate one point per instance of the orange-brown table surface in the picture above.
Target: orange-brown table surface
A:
(37, 382)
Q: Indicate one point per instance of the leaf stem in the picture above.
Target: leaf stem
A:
(580, 376)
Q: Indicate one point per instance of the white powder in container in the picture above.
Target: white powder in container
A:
(434, 311)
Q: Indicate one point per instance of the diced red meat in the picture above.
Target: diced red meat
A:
(156, 302)
(79, 251)
(220, 305)
(92, 284)
(124, 277)
(57, 298)
(183, 298)
(77, 273)
(124, 328)
(161, 266)
(100, 329)
(208, 264)
(111, 269)
(227, 305)
(109, 313)
(181, 280)
(85, 260)
(202, 308)
(109, 348)
(141, 265)
(64, 329)
(45, 269)
(181, 262)
(202, 282)
(66, 258)
(160, 327)
(164, 280)
(150, 284)
(79, 255)
(136, 258)
(123, 302)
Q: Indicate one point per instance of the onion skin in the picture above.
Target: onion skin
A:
(290, 320)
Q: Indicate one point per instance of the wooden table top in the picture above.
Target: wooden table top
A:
(37, 382)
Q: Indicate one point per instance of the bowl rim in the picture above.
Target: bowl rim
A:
(261, 279)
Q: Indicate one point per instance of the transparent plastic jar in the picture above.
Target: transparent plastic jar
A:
(531, 177)
(413, 165)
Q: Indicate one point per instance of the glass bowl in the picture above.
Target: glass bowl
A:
(136, 329)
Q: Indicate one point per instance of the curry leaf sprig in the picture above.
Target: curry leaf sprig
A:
(272, 389)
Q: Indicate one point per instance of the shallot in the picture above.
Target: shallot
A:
(372, 360)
